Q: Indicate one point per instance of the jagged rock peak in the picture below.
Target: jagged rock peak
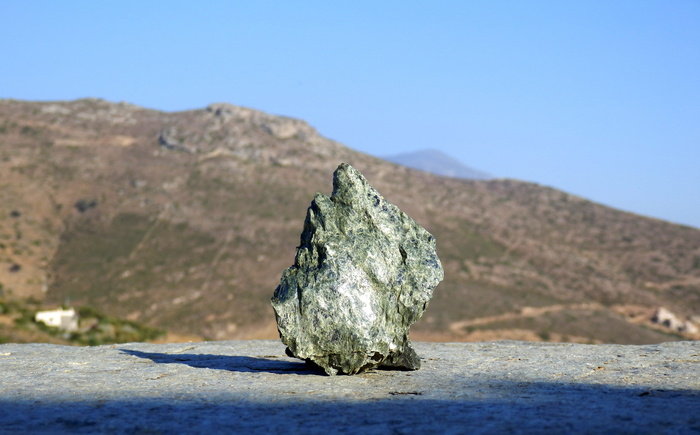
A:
(226, 111)
(281, 127)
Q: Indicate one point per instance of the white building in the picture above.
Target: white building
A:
(60, 318)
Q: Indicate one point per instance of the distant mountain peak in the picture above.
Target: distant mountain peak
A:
(438, 163)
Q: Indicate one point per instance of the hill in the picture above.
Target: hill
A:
(438, 163)
(185, 221)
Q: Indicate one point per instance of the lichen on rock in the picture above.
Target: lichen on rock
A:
(363, 274)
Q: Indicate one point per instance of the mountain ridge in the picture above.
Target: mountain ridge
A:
(186, 220)
(438, 163)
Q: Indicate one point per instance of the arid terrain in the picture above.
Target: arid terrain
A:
(185, 221)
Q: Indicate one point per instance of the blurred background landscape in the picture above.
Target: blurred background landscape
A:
(157, 159)
(181, 223)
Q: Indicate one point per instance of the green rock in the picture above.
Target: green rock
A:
(363, 274)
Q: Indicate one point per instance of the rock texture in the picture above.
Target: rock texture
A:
(363, 274)
(251, 387)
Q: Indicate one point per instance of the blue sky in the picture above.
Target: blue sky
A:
(597, 98)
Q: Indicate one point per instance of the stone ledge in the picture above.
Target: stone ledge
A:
(501, 387)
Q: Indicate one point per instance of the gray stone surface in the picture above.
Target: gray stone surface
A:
(363, 274)
(224, 387)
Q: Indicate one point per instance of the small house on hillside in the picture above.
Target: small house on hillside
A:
(66, 320)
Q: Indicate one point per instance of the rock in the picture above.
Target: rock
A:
(363, 274)
(168, 140)
(285, 128)
(223, 110)
(83, 204)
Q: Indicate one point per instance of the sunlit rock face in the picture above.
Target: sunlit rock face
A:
(363, 274)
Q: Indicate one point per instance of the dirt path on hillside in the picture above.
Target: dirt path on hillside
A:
(525, 312)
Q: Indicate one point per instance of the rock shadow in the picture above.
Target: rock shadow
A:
(233, 363)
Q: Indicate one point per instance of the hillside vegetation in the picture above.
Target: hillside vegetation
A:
(185, 221)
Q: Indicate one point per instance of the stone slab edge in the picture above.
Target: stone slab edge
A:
(517, 387)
